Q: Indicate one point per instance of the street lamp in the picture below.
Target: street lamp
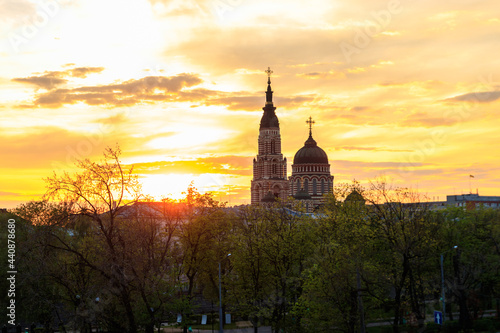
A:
(221, 322)
(442, 282)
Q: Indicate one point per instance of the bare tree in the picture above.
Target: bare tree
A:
(98, 194)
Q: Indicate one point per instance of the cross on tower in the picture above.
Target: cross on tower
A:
(268, 71)
(310, 122)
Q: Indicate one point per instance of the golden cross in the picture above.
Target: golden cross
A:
(310, 122)
(268, 71)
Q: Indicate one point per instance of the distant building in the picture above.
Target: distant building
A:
(311, 178)
(467, 201)
(472, 201)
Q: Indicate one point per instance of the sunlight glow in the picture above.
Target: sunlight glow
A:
(174, 185)
(191, 137)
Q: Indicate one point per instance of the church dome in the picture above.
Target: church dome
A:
(310, 153)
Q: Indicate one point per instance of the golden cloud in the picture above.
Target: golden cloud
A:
(424, 120)
(8, 194)
(149, 89)
(146, 90)
(230, 165)
(50, 79)
(350, 148)
(234, 101)
(40, 147)
(323, 75)
(476, 97)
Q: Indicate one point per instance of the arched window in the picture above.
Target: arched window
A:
(275, 169)
(298, 186)
(306, 185)
(273, 148)
(315, 187)
(322, 186)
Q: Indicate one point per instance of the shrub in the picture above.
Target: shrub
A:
(484, 325)
(433, 328)
(451, 326)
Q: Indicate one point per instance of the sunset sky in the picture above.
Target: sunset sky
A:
(404, 89)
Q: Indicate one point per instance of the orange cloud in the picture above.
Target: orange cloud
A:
(9, 194)
(50, 79)
(424, 120)
(149, 89)
(323, 75)
(349, 148)
(113, 120)
(46, 81)
(40, 147)
(146, 90)
(230, 165)
(255, 102)
(476, 97)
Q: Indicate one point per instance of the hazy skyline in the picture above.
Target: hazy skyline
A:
(408, 90)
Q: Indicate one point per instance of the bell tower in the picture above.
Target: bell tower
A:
(269, 167)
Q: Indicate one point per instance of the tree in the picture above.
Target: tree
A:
(332, 294)
(251, 278)
(150, 231)
(45, 282)
(200, 233)
(405, 244)
(98, 194)
(270, 249)
(203, 242)
(473, 273)
(118, 255)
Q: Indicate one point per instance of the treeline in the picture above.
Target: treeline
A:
(96, 252)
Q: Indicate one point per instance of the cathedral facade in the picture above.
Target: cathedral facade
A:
(310, 179)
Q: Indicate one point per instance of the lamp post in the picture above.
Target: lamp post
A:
(442, 282)
(221, 322)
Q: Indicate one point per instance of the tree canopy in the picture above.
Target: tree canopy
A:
(96, 251)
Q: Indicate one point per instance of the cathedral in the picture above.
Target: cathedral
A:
(310, 178)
